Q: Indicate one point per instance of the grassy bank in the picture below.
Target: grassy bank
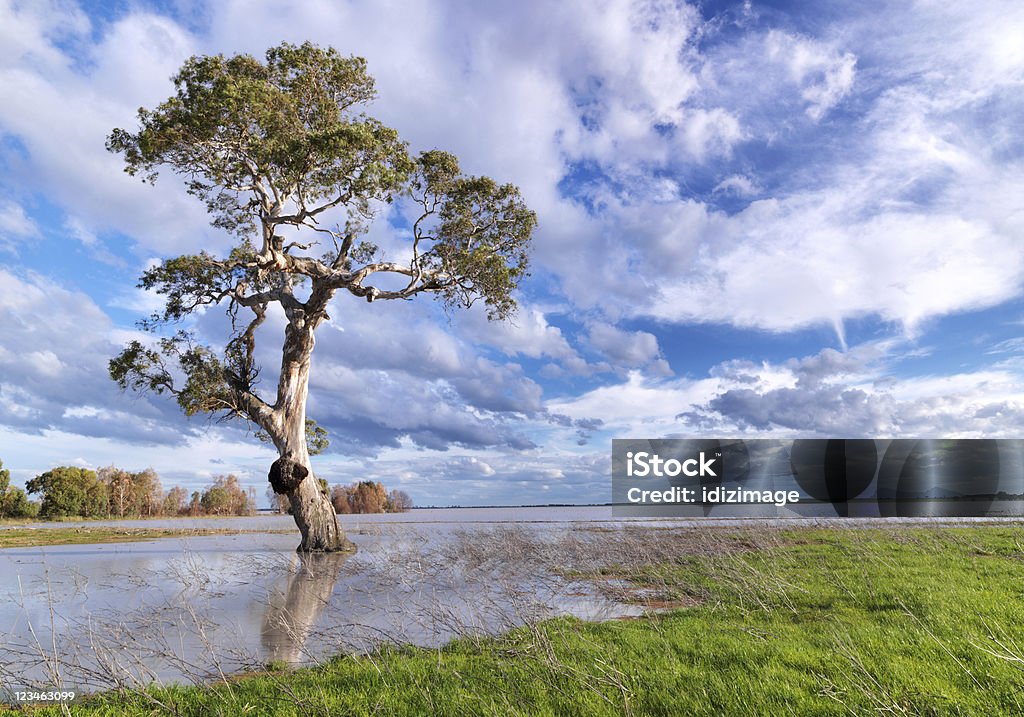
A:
(904, 621)
(108, 518)
(35, 537)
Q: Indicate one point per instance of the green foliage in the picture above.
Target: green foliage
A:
(316, 438)
(207, 384)
(480, 236)
(226, 497)
(13, 501)
(288, 122)
(15, 504)
(70, 491)
(271, 147)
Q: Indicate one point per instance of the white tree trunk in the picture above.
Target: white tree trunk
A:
(292, 474)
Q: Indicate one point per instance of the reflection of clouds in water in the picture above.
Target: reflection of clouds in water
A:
(197, 609)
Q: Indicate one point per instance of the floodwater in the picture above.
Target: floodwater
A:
(563, 516)
(193, 609)
(97, 616)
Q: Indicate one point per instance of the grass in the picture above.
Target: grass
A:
(904, 621)
(107, 518)
(35, 537)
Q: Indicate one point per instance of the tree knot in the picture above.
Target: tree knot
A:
(286, 474)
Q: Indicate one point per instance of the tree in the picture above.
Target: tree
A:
(132, 494)
(398, 501)
(340, 501)
(216, 501)
(370, 497)
(174, 501)
(70, 491)
(279, 503)
(13, 501)
(120, 490)
(363, 497)
(275, 149)
(195, 506)
(149, 494)
(225, 497)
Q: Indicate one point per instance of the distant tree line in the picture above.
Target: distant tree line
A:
(360, 497)
(112, 492)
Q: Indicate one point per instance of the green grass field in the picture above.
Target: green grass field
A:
(900, 621)
(36, 537)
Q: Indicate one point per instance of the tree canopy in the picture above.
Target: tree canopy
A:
(70, 491)
(272, 148)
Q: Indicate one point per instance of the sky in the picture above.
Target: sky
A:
(760, 219)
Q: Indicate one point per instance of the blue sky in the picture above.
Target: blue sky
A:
(756, 219)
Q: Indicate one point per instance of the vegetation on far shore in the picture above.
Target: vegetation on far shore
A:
(361, 497)
(36, 537)
(903, 621)
(113, 493)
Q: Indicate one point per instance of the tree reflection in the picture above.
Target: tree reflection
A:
(292, 613)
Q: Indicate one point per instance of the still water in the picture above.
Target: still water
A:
(92, 616)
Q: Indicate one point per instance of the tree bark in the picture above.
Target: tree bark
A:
(317, 521)
(292, 474)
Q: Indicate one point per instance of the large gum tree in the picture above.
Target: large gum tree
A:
(293, 170)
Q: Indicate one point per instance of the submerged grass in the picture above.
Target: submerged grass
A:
(37, 537)
(902, 621)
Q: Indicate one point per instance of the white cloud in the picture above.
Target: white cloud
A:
(628, 349)
(823, 74)
(15, 225)
(797, 263)
(738, 185)
(30, 31)
(528, 333)
(826, 394)
(61, 111)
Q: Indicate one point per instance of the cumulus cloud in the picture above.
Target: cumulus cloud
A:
(628, 349)
(54, 351)
(795, 263)
(528, 334)
(900, 210)
(63, 96)
(984, 403)
(831, 393)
